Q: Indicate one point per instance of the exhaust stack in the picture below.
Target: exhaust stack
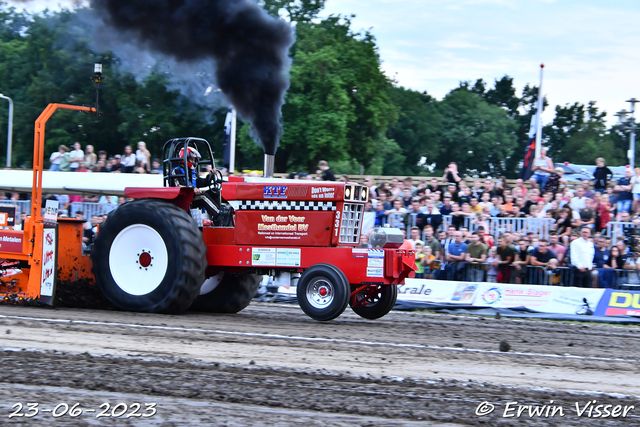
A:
(269, 161)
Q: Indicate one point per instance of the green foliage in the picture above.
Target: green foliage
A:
(476, 135)
(579, 134)
(338, 105)
(298, 10)
(416, 132)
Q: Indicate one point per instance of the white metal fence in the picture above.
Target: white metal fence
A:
(496, 226)
(615, 230)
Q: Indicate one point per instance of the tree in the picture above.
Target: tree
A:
(476, 135)
(338, 106)
(417, 130)
(298, 10)
(578, 134)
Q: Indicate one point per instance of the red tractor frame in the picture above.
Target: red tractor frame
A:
(207, 248)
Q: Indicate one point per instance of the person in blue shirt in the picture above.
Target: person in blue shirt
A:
(455, 256)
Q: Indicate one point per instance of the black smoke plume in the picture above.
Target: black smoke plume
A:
(249, 47)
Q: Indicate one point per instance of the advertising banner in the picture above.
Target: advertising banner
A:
(541, 298)
(11, 241)
(619, 303)
(48, 262)
(546, 299)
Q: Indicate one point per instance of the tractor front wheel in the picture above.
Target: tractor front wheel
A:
(232, 294)
(323, 292)
(149, 256)
(374, 301)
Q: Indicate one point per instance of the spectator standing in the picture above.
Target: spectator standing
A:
(90, 157)
(434, 187)
(602, 175)
(446, 207)
(451, 175)
(128, 160)
(431, 242)
(57, 157)
(506, 253)
(381, 215)
(413, 217)
(406, 197)
(603, 274)
(431, 216)
(476, 254)
(143, 155)
(556, 247)
(542, 168)
(493, 261)
(623, 188)
(604, 211)
(325, 170)
(582, 252)
(578, 201)
(76, 156)
(455, 256)
(588, 215)
(415, 237)
(542, 257)
(457, 216)
(396, 215)
(117, 166)
(586, 187)
(382, 198)
(408, 182)
(521, 260)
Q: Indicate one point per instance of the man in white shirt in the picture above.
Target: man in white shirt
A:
(582, 252)
(76, 156)
(579, 201)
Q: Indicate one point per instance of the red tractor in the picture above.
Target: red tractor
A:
(205, 243)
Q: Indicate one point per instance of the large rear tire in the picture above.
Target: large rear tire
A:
(231, 295)
(323, 292)
(378, 302)
(149, 256)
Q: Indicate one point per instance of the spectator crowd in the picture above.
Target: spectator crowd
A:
(86, 160)
(448, 223)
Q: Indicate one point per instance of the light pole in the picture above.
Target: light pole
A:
(10, 131)
(629, 124)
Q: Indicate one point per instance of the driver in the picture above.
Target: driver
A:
(203, 198)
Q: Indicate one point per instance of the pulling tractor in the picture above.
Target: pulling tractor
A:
(181, 247)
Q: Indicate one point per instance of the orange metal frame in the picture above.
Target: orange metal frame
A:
(33, 227)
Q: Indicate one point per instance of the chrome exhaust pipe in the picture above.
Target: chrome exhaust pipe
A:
(269, 162)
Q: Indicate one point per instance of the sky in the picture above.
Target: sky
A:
(590, 48)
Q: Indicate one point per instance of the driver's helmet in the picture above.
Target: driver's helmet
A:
(192, 156)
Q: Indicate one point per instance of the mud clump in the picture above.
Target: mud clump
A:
(80, 294)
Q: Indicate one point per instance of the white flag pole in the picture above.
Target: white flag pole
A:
(539, 116)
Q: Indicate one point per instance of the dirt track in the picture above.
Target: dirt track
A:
(271, 365)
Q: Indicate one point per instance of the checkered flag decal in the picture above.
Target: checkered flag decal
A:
(278, 205)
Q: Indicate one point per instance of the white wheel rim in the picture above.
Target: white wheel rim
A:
(320, 293)
(138, 259)
(211, 283)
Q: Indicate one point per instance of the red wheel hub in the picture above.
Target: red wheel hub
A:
(323, 292)
(144, 259)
